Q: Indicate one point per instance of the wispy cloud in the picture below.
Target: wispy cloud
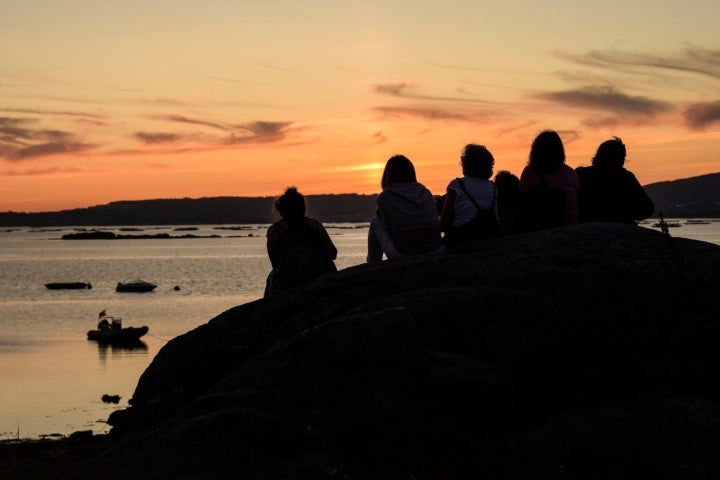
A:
(414, 92)
(191, 121)
(396, 89)
(568, 136)
(701, 115)
(20, 141)
(260, 132)
(66, 113)
(431, 113)
(156, 138)
(379, 137)
(608, 99)
(693, 59)
(42, 172)
(51, 148)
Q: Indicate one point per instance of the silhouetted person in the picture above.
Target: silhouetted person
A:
(508, 202)
(470, 209)
(299, 247)
(407, 223)
(548, 187)
(609, 192)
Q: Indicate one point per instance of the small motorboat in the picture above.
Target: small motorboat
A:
(135, 286)
(110, 330)
(68, 285)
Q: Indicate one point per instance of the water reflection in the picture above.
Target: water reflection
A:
(134, 348)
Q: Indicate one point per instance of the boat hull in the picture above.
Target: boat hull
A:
(135, 287)
(68, 285)
(124, 335)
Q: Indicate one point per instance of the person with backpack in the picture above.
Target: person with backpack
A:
(299, 247)
(470, 210)
(548, 187)
(609, 192)
(407, 222)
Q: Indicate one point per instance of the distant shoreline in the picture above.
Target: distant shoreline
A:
(696, 197)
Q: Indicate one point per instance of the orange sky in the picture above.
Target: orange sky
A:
(103, 102)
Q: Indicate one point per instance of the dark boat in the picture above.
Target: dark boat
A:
(135, 286)
(68, 285)
(110, 330)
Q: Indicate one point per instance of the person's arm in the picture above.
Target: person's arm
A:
(448, 212)
(641, 206)
(273, 234)
(327, 243)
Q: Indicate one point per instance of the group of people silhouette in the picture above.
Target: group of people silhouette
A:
(411, 222)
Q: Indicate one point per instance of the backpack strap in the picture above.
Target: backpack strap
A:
(464, 189)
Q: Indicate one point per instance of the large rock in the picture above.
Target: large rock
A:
(583, 352)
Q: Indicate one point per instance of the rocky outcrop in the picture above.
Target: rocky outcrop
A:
(583, 352)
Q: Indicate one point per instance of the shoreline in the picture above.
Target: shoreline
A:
(51, 458)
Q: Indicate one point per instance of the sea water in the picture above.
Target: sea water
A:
(52, 379)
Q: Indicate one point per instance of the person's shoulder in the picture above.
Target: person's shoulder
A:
(584, 170)
(569, 172)
(313, 222)
(453, 184)
(627, 173)
(277, 227)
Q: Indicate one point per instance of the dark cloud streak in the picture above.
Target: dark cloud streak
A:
(157, 138)
(192, 121)
(18, 141)
(700, 115)
(52, 148)
(693, 60)
(409, 90)
(608, 99)
(427, 113)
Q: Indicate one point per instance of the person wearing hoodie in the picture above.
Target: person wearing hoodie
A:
(407, 222)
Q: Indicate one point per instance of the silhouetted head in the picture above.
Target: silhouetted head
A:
(547, 152)
(610, 154)
(398, 169)
(508, 185)
(291, 204)
(477, 161)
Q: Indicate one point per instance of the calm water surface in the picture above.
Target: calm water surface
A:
(52, 378)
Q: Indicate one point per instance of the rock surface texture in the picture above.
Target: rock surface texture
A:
(584, 352)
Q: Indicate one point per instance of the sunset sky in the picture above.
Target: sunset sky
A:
(104, 101)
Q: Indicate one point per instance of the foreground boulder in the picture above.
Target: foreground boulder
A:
(583, 352)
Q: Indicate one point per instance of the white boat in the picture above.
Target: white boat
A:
(135, 286)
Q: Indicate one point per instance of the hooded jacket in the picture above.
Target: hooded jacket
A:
(409, 213)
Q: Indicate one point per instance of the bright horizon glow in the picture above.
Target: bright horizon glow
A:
(138, 100)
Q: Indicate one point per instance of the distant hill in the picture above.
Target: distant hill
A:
(687, 197)
(201, 211)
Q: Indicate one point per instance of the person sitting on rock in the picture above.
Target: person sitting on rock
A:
(470, 210)
(299, 247)
(609, 192)
(508, 188)
(548, 187)
(407, 223)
